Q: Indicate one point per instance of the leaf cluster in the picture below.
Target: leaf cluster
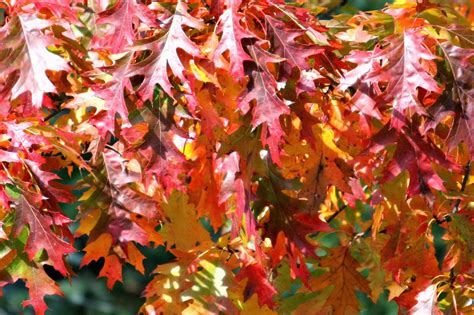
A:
(289, 164)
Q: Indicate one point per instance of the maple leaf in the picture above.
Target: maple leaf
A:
(135, 257)
(404, 73)
(297, 227)
(97, 248)
(213, 183)
(367, 252)
(64, 142)
(203, 290)
(363, 99)
(158, 289)
(6, 85)
(131, 215)
(460, 231)
(25, 48)
(227, 167)
(164, 53)
(157, 152)
(112, 270)
(323, 165)
(207, 188)
(252, 76)
(233, 195)
(126, 201)
(357, 35)
(409, 256)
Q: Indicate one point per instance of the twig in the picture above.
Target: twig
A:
(467, 171)
(332, 217)
(335, 214)
(447, 217)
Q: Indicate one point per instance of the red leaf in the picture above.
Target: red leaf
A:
(314, 222)
(39, 285)
(415, 154)
(287, 46)
(267, 111)
(398, 66)
(232, 35)
(112, 93)
(257, 283)
(41, 236)
(120, 17)
(461, 101)
(165, 53)
(112, 270)
(126, 201)
(158, 154)
(23, 35)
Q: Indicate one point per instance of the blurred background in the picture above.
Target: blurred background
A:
(85, 294)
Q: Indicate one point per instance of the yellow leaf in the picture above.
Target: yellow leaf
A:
(184, 230)
(88, 193)
(88, 221)
(251, 307)
(97, 248)
(344, 279)
(395, 290)
(135, 257)
(201, 74)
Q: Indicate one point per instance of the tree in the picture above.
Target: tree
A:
(289, 164)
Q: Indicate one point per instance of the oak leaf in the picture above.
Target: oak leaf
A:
(182, 228)
(399, 68)
(41, 236)
(164, 54)
(232, 36)
(344, 279)
(267, 111)
(39, 284)
(25, 48)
